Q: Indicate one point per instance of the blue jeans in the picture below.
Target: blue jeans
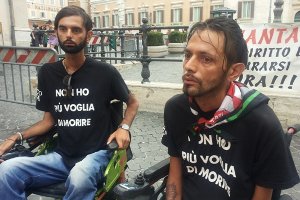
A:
(23, 173)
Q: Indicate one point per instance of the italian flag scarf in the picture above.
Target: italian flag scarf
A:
(232, 102)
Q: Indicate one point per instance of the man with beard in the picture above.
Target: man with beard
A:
(224, 141)
(75, 95)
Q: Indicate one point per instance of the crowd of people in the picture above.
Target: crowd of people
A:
(44, 36)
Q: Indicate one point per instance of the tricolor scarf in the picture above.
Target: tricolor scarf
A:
(231, 103)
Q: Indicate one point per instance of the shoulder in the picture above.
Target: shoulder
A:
(262, 125)
(177, 107)
(179, 101)
(47, 68)
(102, 66)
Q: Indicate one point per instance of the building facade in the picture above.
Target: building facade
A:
(129, 13)
(40, 11)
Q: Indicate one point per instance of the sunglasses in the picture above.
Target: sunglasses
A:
(67, 82)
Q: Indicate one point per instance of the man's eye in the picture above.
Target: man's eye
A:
(187, 55)
(62, 29)
(76, 30)
(205, 59)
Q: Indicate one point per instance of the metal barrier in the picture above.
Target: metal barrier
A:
(18, 72)
(132, 47)
(129, 46)
(19, 65)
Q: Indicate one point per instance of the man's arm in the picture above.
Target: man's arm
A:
(262, 193)
(121, 135)
(39, 128)
(174, 183)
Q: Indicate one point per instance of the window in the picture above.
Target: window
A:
(176, 15)
(158, 17)
(61, 3)
(115, 20)
(214, 7)
(129, 19)
(32, 13)
(42, 14)
(142, 15)
(196, 14)
(97, 21)
(105, 21)
(297, 17)
(246, 9)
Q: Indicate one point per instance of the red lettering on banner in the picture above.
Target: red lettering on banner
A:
(293, 36)
(252, 37)
(280, 30)
(266, 36)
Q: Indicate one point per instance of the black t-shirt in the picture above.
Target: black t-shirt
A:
(83, 120)
(227, 161)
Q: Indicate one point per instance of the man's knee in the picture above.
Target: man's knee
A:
(8, 168)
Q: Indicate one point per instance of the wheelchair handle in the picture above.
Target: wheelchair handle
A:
(293, 129)
(113, 145)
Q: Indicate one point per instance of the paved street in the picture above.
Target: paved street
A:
(146, 130)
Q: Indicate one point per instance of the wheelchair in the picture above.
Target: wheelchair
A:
(151, 184)
(114, 173)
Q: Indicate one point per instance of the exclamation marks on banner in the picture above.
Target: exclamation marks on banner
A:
(273, 81)
(292, 81)
(282, 81)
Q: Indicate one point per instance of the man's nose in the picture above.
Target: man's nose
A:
(69, 33)
(189, 64)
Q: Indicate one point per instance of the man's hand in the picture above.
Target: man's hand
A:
(6, 146)
(121, 136)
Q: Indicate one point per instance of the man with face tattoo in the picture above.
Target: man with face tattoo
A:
(75, 95)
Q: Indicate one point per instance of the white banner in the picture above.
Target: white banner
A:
(274, 52)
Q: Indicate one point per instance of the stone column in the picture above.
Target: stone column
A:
(278, 11)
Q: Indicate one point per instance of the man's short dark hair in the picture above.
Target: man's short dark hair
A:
(235, 47)
(74, 11)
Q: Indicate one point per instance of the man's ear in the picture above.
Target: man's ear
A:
(235, 71)
(89, 35)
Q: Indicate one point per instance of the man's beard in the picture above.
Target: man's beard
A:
(72, 49)
(202, 89)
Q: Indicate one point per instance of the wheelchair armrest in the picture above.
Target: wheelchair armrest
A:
(142, 186)
(35, 141)
(18, 150)
(157, 171)
(113, 145)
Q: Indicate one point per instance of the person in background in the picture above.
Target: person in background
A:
(75, 95)
(34, 35)
(40, 34)
(52, 37)
(224, 141)
(46, 34)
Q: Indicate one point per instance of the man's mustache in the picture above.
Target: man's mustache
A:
(189, 77)
(69, 42)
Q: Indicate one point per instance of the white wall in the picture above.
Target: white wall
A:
(22, 30)
(153, 96)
